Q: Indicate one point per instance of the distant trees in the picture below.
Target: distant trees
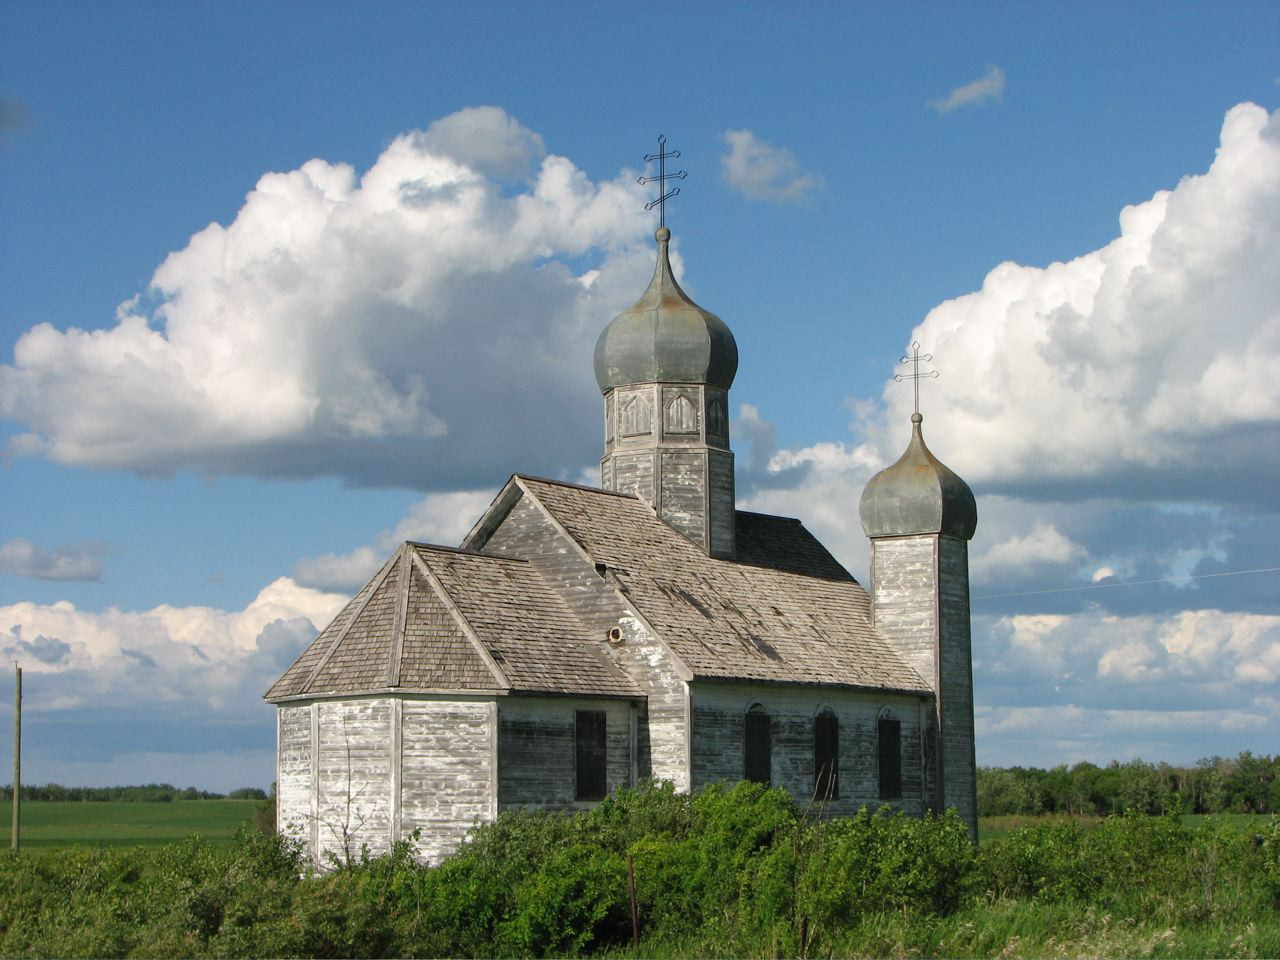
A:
(1243, 784)
(144, 793)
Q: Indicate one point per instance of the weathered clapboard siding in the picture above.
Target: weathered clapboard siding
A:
(536, 750)
(683, 468)
(293, 772)
(662, 751)
(353, 796)
(634, 473)
(682, 497)
(447, 772)
(904, 580)
(920, 597)
(719, 711)
(955, 693)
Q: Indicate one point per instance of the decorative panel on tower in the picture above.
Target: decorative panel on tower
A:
(717, 418)
(680, 413)
(635, 414)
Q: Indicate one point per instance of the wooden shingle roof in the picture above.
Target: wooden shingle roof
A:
(784, 611)
(435, 619)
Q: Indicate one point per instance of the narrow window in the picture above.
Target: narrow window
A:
(758, 756)
(889, 736)
(589, 730)
(826, 756)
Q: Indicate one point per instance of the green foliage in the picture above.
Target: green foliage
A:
(729, 871)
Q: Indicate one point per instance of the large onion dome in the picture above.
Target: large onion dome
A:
(665, 337)
(918, 495)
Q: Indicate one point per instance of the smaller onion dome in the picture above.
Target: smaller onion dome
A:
(665, 337)
(918, 495)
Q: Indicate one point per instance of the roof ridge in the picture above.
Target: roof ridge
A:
(576, 486)
(440, 548)
(771, 516)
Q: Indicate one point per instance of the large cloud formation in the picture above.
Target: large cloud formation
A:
(1156, 357)
(1118, 416)
(357, 325)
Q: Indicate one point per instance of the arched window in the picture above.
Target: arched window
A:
(682, 416)
(889, 753)
(635, 416)
(826, 756)
(715, 417)
(757, 753)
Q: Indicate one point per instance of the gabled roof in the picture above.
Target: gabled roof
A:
(784, 611)
(436, 619)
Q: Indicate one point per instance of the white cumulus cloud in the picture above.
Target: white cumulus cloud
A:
(195, 658)
(366, 324)
(989, 86)
(1148, 367)
(761, 171)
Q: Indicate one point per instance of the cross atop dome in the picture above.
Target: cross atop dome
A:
(662, 156)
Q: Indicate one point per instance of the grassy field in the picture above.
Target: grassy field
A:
(993, 828)
(50, 826)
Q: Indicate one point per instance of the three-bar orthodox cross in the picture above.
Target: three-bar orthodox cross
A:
(915, 376)
(662, 156)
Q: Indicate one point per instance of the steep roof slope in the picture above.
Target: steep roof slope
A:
(784, 611)
(436, 619)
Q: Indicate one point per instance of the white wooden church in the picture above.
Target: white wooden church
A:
(581, 639)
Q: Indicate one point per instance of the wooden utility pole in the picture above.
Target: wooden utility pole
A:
(17, 749)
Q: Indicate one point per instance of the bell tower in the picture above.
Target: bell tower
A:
(920, 517)
(665, 367)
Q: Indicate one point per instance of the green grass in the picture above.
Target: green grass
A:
(52, 826)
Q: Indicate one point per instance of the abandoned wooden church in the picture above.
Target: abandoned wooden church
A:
(581, 639)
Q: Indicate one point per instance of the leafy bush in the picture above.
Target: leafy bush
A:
(730, 870)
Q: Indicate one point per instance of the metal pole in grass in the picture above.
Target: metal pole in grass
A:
(17, 749)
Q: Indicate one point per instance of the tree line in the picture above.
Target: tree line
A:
(142, 793)
(1242, 784)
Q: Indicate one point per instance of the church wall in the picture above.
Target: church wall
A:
(537, 750)
(955, 698)
(293, 772)
(447, 771)
(719, 712)
(903, 580)
(682, 499)
(663, 750)
(722, 516)
(353, 797)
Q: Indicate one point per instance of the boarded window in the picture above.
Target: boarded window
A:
(758, 754)
(889, 737)
(682, 416)
(589, 728)
(826, 756)
(715, 417)
(635, 417)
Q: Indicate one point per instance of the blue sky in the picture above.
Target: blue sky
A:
(284, 283)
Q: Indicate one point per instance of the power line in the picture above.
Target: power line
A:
(1127, 583)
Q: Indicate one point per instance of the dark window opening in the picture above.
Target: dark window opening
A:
(758, 755)
(826, 757)
(889, 737)
(589, 735)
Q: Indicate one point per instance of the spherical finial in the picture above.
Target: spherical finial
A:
(662, 234)
(916, 418)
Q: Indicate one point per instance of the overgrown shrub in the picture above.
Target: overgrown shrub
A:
(727, 871)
